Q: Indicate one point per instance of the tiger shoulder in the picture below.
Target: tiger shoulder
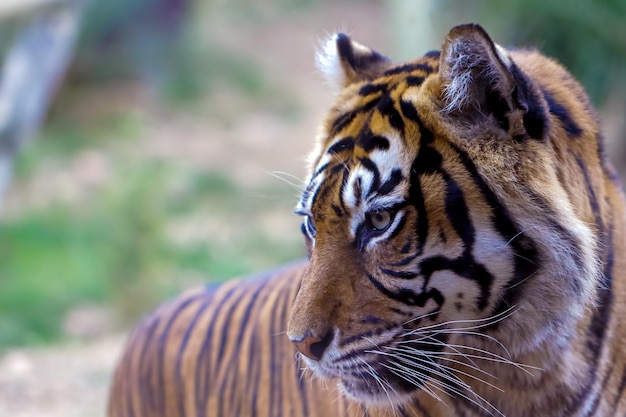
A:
(463, 227)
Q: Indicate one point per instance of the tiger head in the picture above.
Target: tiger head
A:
(442, 214)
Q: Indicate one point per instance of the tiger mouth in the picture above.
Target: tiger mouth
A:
(383, 382)
(390, 375)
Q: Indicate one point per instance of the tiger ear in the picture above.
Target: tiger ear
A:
(344, 61)
(475, 71)
(481, 83)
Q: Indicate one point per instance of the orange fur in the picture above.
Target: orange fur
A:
(464, 229)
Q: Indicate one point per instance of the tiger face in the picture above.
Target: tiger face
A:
(437, 219)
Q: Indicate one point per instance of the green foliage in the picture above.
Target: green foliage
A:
(587, 36)
(47, 262)
(120, 248)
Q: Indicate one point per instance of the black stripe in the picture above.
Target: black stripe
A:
(387, 107)
(408, 111)
(159, 393)
(525, 255)
(414, 80)
(600, 322)
(465, 267)
(276, 359)
(345, 119)
(243, 325)
(405, 261)
(357, 190)
(373, 168)
(369, 89)
(416, 197)
(344, 182)
(369, 141)
(370, 333)
(345, 144)
(415, 66)
(183, 347)
(620, 391)
(562, 113)
(535, 119)
(599, 394)
(407, 296)
(593, 198)
(203, 369)
(394, 179)
(457, 213)
(399, 274)
(145, 389)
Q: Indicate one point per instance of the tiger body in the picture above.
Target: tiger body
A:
(463, 227)
(219, 368)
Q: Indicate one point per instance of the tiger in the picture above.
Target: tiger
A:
(463, 226)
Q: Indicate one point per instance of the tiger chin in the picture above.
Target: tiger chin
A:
(461, 221)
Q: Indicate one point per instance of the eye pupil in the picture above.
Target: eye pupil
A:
(380, 220)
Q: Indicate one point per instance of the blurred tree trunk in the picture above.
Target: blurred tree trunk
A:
(32, 69)
(412, 28)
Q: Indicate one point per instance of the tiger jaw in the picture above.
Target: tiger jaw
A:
(384, 372)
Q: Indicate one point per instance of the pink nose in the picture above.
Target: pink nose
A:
(313, 347)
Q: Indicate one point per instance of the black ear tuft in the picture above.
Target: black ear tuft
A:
(345, 61)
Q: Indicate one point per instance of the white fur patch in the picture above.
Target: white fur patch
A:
(327, 60)
(386, 161)
(462, 60)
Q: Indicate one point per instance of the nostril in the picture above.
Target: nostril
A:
(317, 349)
(313, 347)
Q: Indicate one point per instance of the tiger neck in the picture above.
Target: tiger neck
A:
(573, 362)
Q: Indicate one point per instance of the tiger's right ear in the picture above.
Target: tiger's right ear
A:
(344, 61)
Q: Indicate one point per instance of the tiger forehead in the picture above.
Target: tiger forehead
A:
(378, 104)
(365, 157)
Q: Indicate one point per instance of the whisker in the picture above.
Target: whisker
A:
(409, 376)
(422, 367)
(452, 369)
(449, 387)
(485, 322)
(486, 336)
(408, 349)
(494, 357)
(277, 174)
(423, 316)
(380, 381)
(475, 402)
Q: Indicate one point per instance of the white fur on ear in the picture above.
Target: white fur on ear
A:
(328, 61)
(465, 61)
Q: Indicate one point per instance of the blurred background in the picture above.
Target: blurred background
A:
(153, 145)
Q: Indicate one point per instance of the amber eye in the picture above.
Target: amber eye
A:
(380, 220)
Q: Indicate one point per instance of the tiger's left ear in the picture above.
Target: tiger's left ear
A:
(480, 80)
(344, 61)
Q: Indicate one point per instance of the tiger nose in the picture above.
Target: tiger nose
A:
(313, 346)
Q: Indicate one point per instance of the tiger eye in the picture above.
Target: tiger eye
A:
(380, 220)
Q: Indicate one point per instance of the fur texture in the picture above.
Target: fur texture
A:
(462, 223)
